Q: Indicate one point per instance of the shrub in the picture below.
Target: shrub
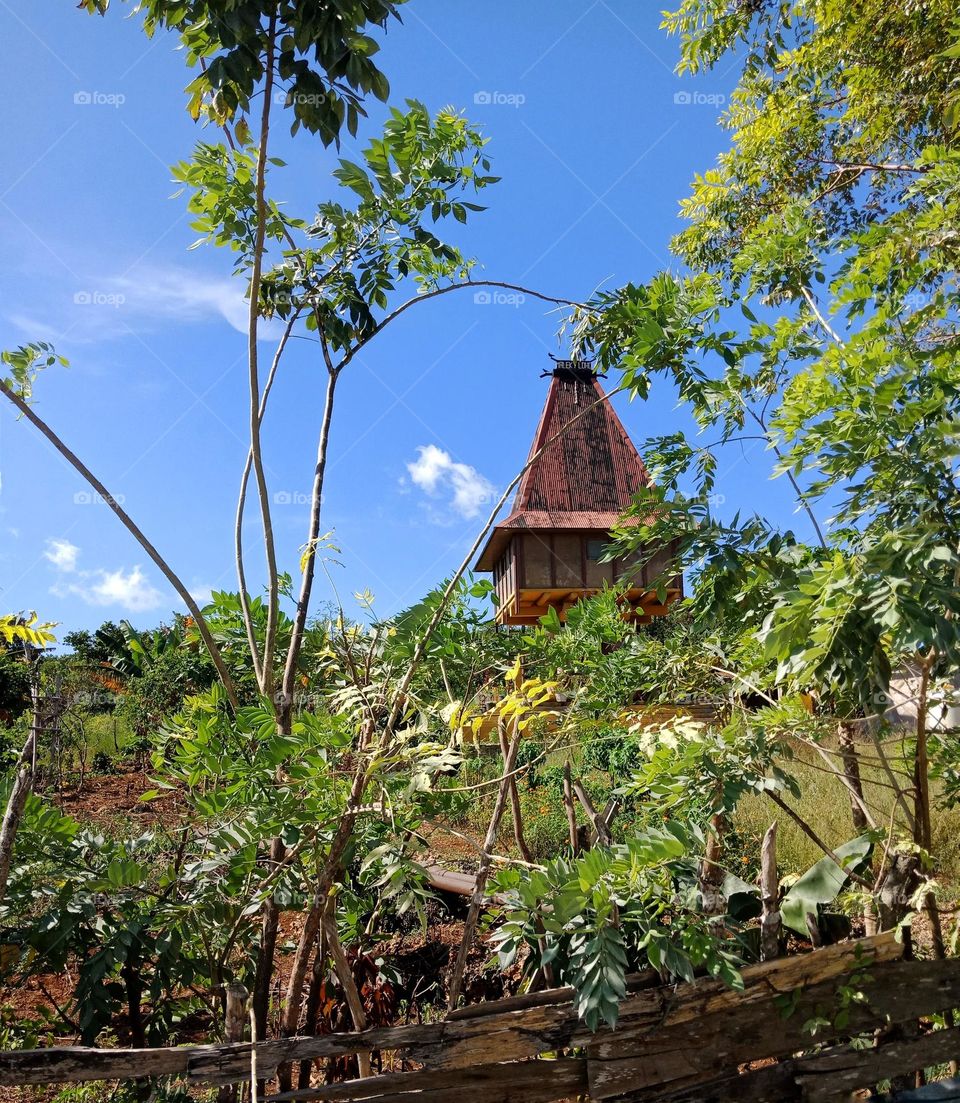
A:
(102, 763)
(544, 824)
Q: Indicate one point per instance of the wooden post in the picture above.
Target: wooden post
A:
(473, 912)
(234, 1024)
(515, 809)
(341, 967)
(599, 834)
(770, 922)
(571, 811)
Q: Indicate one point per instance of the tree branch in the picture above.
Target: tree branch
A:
(814, 837)
(242, 499)
(256, 272)
(437, 291)
(185, 596)
(313, 534)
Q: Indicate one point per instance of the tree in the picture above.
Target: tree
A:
(830, 227)
(31, 636)
(338, 279)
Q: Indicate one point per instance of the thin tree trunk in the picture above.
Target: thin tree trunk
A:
(165, 569)
(290, 1017)
(253, 322)
(899, 791)
(310, 554)
(711, 872)
(345, 975)
(483, 872)
(133, 993)
(22, 785)
(270, 921)
(546, 971)
(923, 834)
(514, 801)
(314, 917)
(244, 595)
(571, 811)
(921, 765)
(313, 1006)
(851, 773)
(770, 922)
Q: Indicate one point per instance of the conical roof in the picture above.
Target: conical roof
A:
(586, 477)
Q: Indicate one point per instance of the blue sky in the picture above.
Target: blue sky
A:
(580, 103)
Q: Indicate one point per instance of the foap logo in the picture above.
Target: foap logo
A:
(699, 99)
(99, 99)
(498, 298)
(92, 498)
(291, 498)
(99, 298)
(308, 99)
(499, 99)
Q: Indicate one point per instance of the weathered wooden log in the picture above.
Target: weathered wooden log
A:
(71, 1064)
(824, 1076)
(529, 1082)
(820, 1076)
(505, 1031)
(634, 982)
(649, 1063)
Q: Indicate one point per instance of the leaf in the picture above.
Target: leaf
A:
(822, 883)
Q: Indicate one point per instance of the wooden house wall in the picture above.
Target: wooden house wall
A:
(505, 577)
(556, 560)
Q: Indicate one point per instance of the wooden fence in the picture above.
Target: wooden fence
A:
(697, 1042)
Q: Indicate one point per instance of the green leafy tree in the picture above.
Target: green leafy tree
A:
(596, 918)
(820, 318)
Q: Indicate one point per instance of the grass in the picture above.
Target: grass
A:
(825, 804)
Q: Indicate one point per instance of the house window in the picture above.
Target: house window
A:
(595, 550)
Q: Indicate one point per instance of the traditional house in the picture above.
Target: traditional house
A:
(549, 552)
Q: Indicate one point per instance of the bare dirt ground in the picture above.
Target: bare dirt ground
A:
(419, 958)
(112, 801)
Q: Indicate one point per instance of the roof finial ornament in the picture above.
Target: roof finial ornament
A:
(576, 371)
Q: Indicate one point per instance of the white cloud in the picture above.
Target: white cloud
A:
(181, 294)
(62, 554)
(202, 593)
(101, 307)
(435, 472)
(130, 590)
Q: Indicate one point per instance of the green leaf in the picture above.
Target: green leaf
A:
(822, 883)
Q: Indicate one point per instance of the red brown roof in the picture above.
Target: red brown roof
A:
(585, 478)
